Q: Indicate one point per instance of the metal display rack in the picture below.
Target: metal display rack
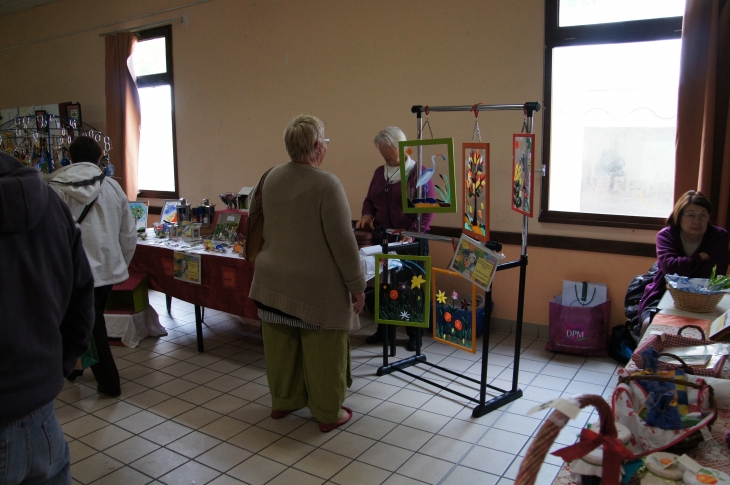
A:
(482, 405)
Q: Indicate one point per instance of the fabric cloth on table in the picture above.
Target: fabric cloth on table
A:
(134, 328)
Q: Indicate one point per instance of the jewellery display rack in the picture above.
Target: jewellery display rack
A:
(506, 396)
(42, 141)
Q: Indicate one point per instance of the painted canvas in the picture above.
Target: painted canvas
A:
(403, 289)
(227, 226)
(169, 211)
(434, 188)
(523, 173)
(454, 319)
(187, 267)
(475, 262)
(476, 190)
(140, 211)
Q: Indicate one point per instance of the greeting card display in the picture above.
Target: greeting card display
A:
(187, 267)
(139, 213)
(434, 189)
(169, 211)
(475, 157)
(475, 262)
(454, 320)
(402, 289)
(227, 226)
(523, 175)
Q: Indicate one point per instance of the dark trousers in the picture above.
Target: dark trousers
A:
(105, 371)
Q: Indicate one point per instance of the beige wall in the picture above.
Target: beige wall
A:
(243, 68)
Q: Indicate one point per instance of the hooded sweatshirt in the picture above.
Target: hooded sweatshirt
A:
(109, 230)
(46, 292)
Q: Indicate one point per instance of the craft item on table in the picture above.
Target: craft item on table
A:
(718, 282)
(172, 231)
(475, 157)
(230, 199)
(523, 175)
(692, 294)
(583, 293)
(159, 228)
(454, 320)
(169, 211)
(677, 321)
(706, 476)
(244, 197)
(661, 411)
(183, 210)
(187, 267)
(402, 296)
(139, 213)
(227, 226)
(660, 468)
(209, 245)
(720, 327)
(690, 285)
(437, 160)
(206, 212)
(591, 464)
(475, 262)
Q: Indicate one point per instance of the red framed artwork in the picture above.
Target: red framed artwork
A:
(475, 199)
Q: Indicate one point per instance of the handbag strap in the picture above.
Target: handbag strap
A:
(259, 197)
(86, 211)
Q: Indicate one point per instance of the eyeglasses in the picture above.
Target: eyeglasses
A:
(692, 216)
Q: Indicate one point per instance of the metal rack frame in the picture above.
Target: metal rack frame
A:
(482, 405)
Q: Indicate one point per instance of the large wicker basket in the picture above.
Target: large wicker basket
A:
(694, 302)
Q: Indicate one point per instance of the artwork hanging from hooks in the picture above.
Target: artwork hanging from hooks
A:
(454, 319)
(436, 181)
(475, 199)
(523, 174)
(403, 289)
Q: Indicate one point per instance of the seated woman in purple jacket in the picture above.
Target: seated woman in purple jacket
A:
(383, 204)
(688, 246)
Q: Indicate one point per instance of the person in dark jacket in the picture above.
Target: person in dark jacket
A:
(688, 246)
(47, 302)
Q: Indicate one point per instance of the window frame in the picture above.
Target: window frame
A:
(610, 33)
(161, 79)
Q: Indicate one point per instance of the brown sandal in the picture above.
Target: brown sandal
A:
(326, 428)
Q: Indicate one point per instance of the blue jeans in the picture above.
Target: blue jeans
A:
(34, 451)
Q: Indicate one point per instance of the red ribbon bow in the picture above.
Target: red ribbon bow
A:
(614, 452)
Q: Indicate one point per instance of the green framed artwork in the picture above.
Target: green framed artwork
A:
(437, 180)
(403, 289)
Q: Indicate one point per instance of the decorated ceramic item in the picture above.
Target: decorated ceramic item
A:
(706, 476)
(661, 469)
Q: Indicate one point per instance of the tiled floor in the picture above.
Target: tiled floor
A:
(186, 417)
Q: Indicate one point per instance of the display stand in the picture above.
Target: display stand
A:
(482, 405)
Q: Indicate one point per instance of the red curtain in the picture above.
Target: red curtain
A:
(703, 131)
(122, 110)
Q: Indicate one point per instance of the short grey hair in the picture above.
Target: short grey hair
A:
(389, 136)
(301, 137)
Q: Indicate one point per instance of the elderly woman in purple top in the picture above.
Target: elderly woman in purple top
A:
(383, 204)
(688, 246)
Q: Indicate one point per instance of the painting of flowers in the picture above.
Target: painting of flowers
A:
(433, 189)
(454, 319)
(475, 158)
(403, 289)
(523, 174)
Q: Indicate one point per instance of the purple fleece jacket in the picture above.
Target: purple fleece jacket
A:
(672, 259)
(386, 207)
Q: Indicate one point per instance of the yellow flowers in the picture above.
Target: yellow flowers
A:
(417, 281)
(441, 297)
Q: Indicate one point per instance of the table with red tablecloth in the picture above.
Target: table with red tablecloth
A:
(225, 281)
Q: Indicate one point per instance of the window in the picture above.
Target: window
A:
(611, 83)
(151, 65)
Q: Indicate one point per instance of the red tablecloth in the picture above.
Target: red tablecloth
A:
(226, 281)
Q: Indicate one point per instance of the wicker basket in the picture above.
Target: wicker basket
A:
(694, 302)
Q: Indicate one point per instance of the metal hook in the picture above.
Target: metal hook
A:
(477, 132)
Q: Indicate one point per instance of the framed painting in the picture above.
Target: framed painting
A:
(186, 267)
(523, 174)
(454, 320)
(140, 210)
(73, 111)
(169, 211)
(434, 189)
(475, 200)
(402, 292)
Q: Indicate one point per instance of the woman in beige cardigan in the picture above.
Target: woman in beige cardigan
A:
(307, 282)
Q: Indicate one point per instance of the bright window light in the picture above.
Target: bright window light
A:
(589, 12)
(156, 164)
(613, 126)
(149, 57)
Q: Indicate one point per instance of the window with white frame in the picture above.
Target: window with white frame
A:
(611, 83)
(151, 65)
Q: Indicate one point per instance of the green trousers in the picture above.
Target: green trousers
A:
(307, 368)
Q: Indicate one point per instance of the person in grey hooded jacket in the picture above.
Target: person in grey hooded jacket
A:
(109, 238)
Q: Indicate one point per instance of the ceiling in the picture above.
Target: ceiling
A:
(8, 7)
